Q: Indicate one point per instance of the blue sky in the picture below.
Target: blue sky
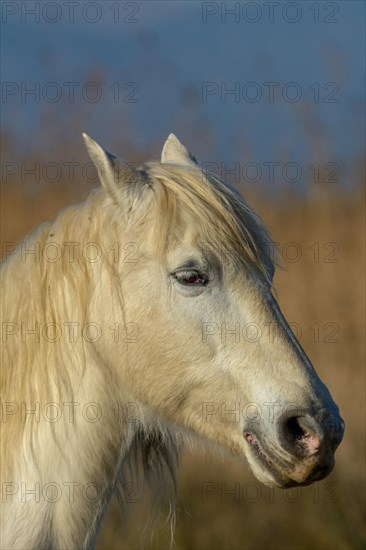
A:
(164, 56)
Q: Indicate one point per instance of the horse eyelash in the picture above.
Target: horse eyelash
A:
(192, 270)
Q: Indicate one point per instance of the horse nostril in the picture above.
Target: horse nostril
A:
(301, 435)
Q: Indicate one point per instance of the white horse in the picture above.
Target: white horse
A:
(137, 318)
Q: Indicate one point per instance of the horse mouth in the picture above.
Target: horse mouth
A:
(284, 475)
(262, 457)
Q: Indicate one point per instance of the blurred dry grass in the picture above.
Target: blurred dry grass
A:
(309, 292)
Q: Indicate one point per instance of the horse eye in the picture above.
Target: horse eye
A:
(191, 278)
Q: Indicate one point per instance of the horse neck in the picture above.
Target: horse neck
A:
(69, 307)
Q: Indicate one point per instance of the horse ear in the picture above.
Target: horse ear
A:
(174, 152)
(115, 174)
